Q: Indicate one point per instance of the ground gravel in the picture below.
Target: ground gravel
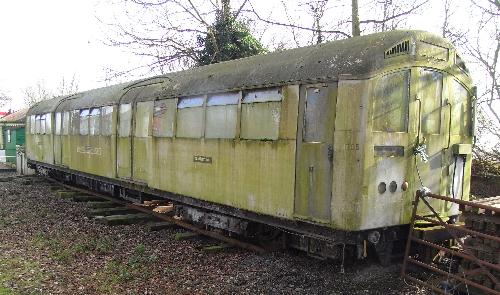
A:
(50, 246)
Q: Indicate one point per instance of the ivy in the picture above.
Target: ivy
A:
(227, 39)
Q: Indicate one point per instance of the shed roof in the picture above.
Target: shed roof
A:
(16, 117)
(356, 56)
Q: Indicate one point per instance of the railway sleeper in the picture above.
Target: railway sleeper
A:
(126, 219)
(271, 235)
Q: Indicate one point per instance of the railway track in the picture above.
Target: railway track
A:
(112, 210)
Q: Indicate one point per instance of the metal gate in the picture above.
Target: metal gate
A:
(479, 251)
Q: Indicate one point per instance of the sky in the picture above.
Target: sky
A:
(54, 39)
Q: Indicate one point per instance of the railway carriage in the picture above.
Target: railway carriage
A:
(323, 144)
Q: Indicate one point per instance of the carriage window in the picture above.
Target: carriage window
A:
(75, 122)
(260, 114)
(37, 124)
(315, 114)
(65, 123)
(431, 87)
(58, 124)
(42, 123)
(125, 120)
(221, 115)
(48, 123)
(190, 117)
(95, 121)
(143, 118)
(461, 123)
(390, 102)
(107, 120)
(84, 122)
(163, 118)
(33, 124)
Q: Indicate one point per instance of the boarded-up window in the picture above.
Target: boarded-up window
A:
(58, 123)
(48, 123)
(33, 124)
(190, 117)
(65, 123)
(84, 121)
(75, 122)
(221, 115)
(431, 89)
(42, 123)
(163, 117)
(461, 122)
(107, 120)
(95, 121)
(143, 116)
(315, 114)
(390, 102)
(125, 120)
(260, 114)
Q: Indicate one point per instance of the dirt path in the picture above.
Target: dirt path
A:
(49, 246)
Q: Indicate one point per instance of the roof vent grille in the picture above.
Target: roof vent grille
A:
(398, 49)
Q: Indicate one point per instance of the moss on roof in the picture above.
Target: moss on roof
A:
(356, 56)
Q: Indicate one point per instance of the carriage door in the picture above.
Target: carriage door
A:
(432, 131)
(313, 186)
(124, 142)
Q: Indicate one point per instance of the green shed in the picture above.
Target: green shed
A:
(12, 128)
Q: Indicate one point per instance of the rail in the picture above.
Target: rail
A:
(479, 266)
(211, 234)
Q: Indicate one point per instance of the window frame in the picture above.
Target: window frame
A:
(247, 101)
(107, 129)
(375, 99)
(93, 113)
(182, 112)
(84, 120)
(217, 101)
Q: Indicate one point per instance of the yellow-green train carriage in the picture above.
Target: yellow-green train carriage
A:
(324, 142)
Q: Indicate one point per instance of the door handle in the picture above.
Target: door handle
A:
(449, 124)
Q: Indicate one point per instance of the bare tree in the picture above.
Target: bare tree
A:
(36, 93)
(4, 99)
(164, 33)
(39, 91)
(387, 15)
(67, 87)
(480, 44)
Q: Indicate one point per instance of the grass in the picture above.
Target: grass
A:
(20, 276)
(117, 271)
(66, 253)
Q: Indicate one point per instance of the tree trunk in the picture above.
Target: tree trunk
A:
(355, 19)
